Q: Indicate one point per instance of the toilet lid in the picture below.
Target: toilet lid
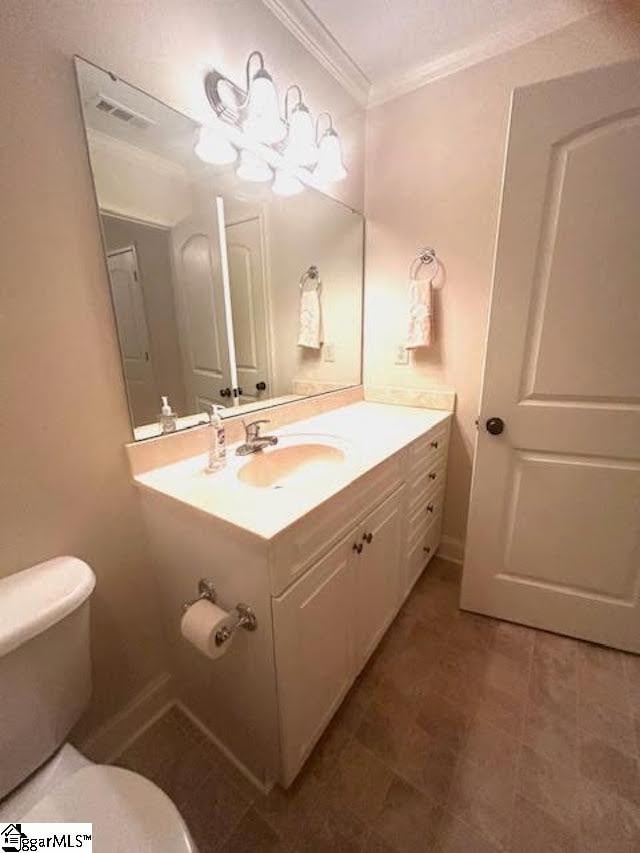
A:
(128, 812)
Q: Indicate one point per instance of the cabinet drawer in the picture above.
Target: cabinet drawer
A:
(421, 551)
(425, 512)
(431, 477)
(426, 448)
(303, 543)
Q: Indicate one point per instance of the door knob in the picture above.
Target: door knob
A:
(495, 426)
(261, 386)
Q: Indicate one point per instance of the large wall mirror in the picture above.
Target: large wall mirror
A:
(217, 283)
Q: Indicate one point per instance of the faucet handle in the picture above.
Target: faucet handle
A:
(252, 429)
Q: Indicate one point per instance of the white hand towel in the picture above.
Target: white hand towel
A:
(310, 332)
(420, 313)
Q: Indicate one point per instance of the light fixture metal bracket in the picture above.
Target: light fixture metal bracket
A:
(226, 108)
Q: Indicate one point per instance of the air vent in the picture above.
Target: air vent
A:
(122, 113)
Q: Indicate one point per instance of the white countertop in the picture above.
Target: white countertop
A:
(368, 433)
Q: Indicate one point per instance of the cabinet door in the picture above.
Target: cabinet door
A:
(378, 569)
(314, 652)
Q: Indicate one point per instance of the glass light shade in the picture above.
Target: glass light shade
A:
(253, 168)
(301, 147)
(330, 168)
(263, 120)
(286, 184)
(212, 147)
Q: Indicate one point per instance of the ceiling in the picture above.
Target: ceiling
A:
(382, 48)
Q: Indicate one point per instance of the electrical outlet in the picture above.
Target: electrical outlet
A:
(402, 354)
(329, 352)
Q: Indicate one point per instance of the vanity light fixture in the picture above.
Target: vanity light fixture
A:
(257, 128)
(301, 148)
(212, 147)
(330, 167)
(262, 122)
(253, 168)
(286, 183)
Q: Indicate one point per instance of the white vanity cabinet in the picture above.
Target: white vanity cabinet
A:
(314, 649)
(324, 586)
(327, 624)
(426, 475)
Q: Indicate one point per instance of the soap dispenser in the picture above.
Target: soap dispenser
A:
(168, 418)
(217, 442)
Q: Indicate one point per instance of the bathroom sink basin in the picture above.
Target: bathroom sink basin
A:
(287, 464)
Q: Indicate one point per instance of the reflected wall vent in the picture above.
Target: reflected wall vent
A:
(122, 113)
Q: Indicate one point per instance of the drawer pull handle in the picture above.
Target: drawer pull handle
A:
(432, 475)
(429, 507)
(357, 547)
(434, 444)
(367, 537)
(427, 549)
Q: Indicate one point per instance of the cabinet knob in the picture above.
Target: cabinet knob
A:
(429, 507)
(434, 444)
(432, 475)
(357, 547)
(427, 549)
(367, 537)
(225, 392)
(261, 386)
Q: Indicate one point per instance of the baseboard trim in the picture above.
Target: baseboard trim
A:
(261, 786)
(114, 736)
(451, 549)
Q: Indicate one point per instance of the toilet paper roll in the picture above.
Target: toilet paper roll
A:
(200, 624)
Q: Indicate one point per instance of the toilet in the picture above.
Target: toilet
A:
(45, 685)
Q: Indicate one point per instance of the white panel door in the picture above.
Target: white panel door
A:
(554, 528)
(248, 307)
(133, 335)
(201, 310)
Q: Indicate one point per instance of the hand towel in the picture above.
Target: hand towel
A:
(310, 332)
(420, 313)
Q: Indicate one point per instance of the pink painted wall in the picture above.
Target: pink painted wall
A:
(63, 418)
(433, 177)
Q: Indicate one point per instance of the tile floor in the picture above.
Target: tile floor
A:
(463, 735)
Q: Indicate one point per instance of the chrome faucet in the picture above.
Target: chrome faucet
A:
(253, 441)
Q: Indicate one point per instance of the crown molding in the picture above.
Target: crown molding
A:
(298, 18)
(533, 28)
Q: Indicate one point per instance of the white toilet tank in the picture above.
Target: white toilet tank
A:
(45, 662)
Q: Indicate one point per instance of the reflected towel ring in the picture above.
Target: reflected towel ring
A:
(311, 274)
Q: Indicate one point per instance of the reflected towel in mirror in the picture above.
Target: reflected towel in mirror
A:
(420, 313)
(310, 332)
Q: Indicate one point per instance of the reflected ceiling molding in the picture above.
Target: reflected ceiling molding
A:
(312, 34)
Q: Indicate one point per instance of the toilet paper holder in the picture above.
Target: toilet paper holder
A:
(246, 617)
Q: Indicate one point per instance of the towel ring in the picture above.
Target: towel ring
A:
(425, 257)
(311, 274)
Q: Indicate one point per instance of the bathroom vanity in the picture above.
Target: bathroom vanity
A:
(323, 536)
